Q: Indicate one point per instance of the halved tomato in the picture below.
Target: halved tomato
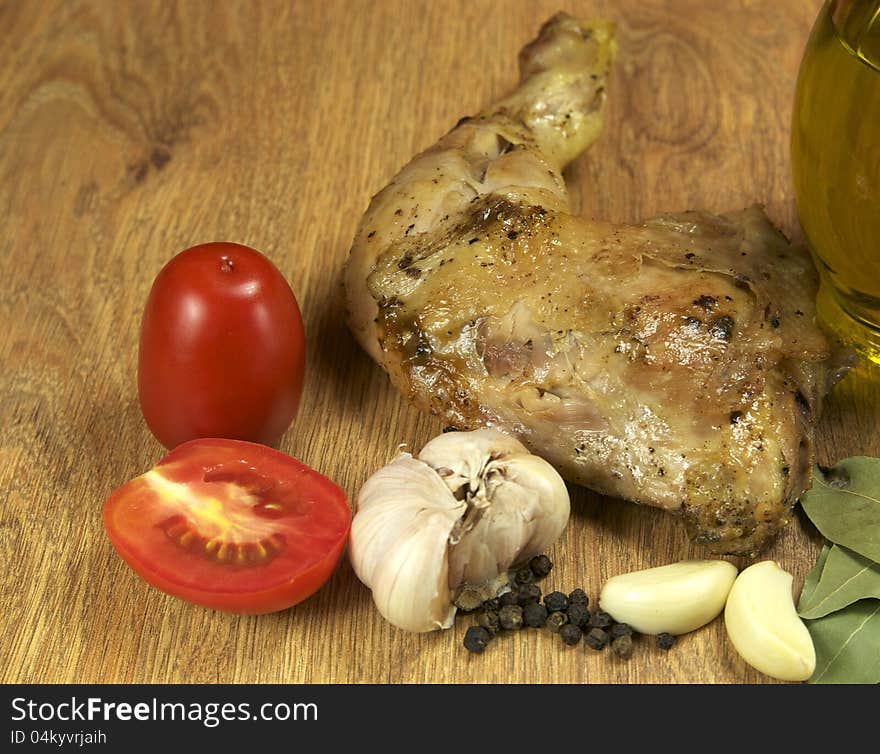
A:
(230, 525)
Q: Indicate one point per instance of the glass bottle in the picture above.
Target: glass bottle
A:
(836, 166)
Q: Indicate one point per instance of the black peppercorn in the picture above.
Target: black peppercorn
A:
(489, 620)
(508, 598)
(556, 621)
(665, 640)
(556, 601)
(534, 615)
(578, 614)
(620, 629)
(622, 646)
(578, 596)
(476, 639)
(523, 576)
(596, 638)
(570, 634)
(540, 566)
(511, 617)
(600, 619)
(468, 600)
(528, 593)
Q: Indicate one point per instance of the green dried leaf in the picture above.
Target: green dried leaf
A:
(844, 504)
(845, 577)
(812, 580)
(847, 643)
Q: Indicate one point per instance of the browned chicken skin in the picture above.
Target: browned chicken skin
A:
(675, 363)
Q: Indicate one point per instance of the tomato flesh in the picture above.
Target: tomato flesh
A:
(230, 525)
(222, 348)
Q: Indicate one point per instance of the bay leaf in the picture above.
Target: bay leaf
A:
(812, 579)
(844, 504)
(844, 577)
(846, 643)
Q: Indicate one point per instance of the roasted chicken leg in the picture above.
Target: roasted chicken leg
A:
(674, 363)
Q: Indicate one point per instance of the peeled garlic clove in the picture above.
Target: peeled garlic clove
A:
(763, 624)
(675, 598)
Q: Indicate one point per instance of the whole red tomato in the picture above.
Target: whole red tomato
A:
(222, 348)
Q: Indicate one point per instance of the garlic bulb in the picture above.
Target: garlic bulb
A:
(471, 505)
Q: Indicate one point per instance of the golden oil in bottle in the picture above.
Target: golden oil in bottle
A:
(836, 166)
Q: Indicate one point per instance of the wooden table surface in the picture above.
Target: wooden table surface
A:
(132, 130)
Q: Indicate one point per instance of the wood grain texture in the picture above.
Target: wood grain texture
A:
(131, 130)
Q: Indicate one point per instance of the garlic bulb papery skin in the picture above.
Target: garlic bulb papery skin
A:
(518, 503)
(398, 543)
(468, 508)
